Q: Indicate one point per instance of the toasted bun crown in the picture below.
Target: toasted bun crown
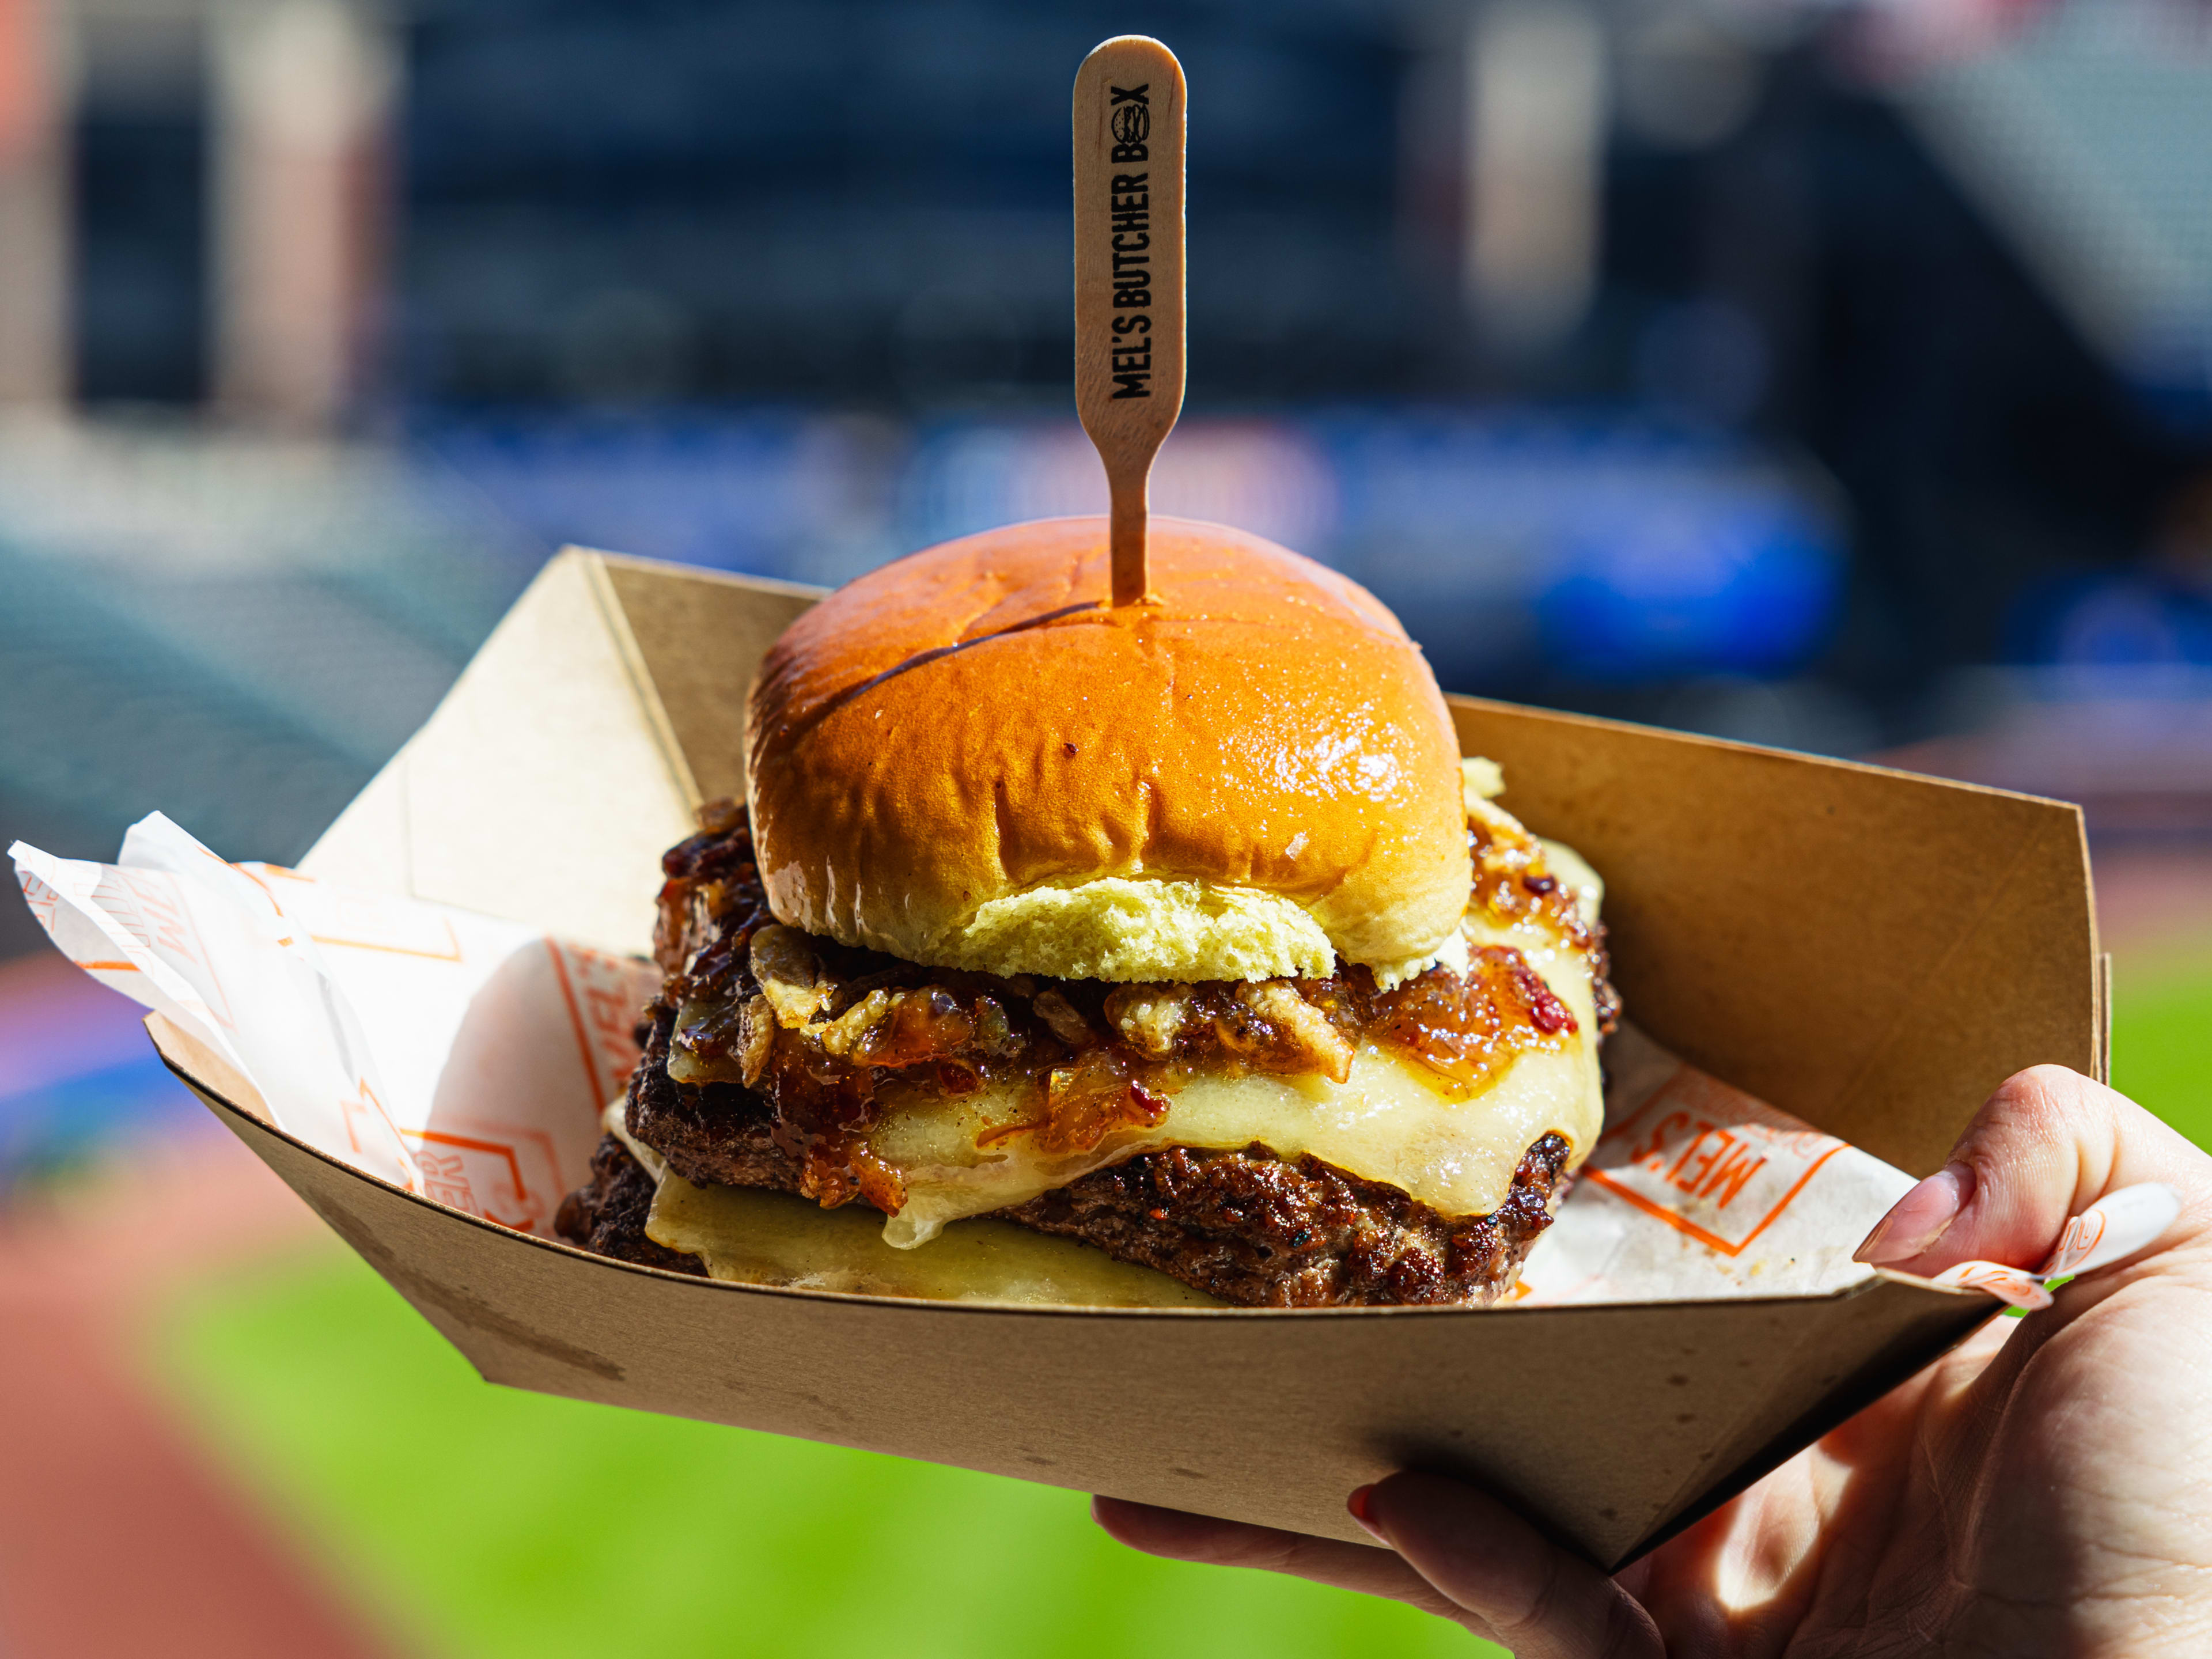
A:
(967, 759)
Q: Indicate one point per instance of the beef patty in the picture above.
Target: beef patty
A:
(1264, 1232)
(606, 1214)
(773, 1100)
(1245, 1225)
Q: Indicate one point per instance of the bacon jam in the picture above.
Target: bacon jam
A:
(826, 1035)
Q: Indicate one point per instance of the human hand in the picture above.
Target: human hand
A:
(2039, 1491)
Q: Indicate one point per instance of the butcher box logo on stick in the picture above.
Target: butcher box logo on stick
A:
(1129, 105)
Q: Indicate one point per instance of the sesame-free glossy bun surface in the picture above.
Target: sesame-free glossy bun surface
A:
(967, 759)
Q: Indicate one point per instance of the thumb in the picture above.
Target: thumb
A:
(1520, 1588)
(2046, 1145)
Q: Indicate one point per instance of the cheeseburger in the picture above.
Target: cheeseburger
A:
(1152, 955)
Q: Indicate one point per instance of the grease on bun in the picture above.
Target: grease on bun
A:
(967, 759)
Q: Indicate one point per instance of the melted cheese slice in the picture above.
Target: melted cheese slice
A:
(754, 1237)
(1393, 1120)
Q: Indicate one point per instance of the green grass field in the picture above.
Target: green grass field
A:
(477, 1521)
(479, 1524)
(2163, 1040)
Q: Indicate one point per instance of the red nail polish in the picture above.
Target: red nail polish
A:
(1357, 1505)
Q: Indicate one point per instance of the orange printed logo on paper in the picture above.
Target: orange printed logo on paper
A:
(362, 1111)
(42, 899)
(2083, 1234)
(1708, 1160)
(157, 920)
(150, 907)
(446, 1179)
(602, 991)
(503, 1172)
(2014, 1284)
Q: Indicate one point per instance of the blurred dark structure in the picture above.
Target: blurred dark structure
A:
(863, 203)
(1985, 450)
(143, 215)
(866, 201)
(1832, 375)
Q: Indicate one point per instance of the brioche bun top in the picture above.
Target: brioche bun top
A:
(969, 759)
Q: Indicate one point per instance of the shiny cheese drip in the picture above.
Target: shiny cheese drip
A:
(754, 1236)
(1392, 1120)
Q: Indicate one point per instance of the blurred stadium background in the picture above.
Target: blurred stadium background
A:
(1831, 373)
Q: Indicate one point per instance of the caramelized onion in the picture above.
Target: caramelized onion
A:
(827, 1033)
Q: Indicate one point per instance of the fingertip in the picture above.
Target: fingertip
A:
(1361, 1503)
(1521, 1589)
(2050, 1087)
(2046, 1145)
(1916, 1222)
(1156, 1530)
(1410, 1504)
(1122, 1521)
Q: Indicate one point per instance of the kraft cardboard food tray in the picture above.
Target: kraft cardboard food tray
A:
(1870, 951)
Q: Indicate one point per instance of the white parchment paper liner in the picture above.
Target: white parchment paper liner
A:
(469, 1060)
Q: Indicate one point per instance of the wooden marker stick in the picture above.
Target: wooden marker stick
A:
(1129, 99)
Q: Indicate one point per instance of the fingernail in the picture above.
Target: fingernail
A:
(1920, 1218)
(1358, 1503)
